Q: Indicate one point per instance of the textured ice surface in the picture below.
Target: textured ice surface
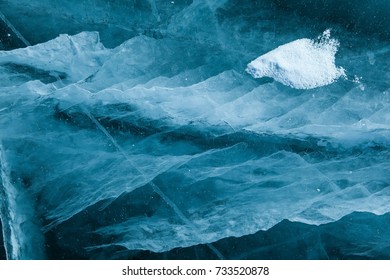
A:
(363, 236)
(75, 57)
(301, 64)
(164, 141)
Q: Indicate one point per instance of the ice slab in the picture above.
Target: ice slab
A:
(75, 57)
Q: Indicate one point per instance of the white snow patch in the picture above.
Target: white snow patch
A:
(301, 64)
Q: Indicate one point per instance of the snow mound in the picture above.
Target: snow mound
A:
(301, 64)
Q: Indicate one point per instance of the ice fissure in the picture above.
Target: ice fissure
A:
(216, 129)
(156, 189)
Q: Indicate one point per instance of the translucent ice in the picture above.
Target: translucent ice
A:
(76, 57)
(163, 141)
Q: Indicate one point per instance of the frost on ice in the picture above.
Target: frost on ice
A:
(301, 64)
